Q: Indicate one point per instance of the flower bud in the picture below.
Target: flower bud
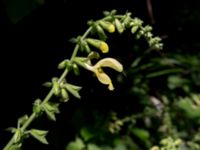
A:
(119, 26)
(107, 26)
(62, 64)
(134, 29)
(64, 94)
(98, 44)
(101, 33)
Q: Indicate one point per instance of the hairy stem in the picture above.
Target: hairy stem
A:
(50, 94)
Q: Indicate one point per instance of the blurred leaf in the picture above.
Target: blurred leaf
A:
(191, 110)
(76, 145)
(86, 134)
(142, 134)
(175, 81)
(93, 147)
(120, 147)
(17, 9)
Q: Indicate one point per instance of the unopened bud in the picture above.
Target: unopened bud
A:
(98, 44)
(107, 26)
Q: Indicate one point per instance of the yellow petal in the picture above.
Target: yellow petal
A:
(108, 26)
(111, 63)
(104, 47)
(111, 28)
(104, 79)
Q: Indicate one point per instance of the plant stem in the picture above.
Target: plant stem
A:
(51, 92)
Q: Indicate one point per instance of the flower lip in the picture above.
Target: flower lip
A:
(101, 75)
(111, 63)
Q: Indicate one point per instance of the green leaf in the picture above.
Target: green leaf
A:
(120, 147)
(191, 110)
(40, 135)
(86, 134)
(141, 133)
(175, 81)
(76, 145)
(93, 147)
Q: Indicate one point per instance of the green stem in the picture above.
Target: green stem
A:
(50, 94)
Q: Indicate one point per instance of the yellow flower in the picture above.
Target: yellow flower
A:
(103, 46)
(101, 75)
(107, 26)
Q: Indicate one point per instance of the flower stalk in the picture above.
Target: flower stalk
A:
(60, 87)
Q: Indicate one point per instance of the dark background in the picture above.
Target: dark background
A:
(32, 48)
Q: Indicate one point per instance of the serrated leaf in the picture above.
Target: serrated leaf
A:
(39, 135)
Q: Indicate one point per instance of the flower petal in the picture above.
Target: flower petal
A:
(104, 79)
(109, 62)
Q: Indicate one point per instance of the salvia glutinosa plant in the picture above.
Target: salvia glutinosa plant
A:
(63, 88)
